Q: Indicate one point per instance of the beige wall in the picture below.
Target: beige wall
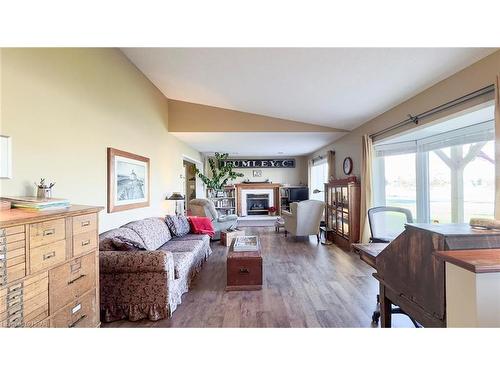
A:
(64, 107)
(289, 176)
(191, 117)
(472, 78)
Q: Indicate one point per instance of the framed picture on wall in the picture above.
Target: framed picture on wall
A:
(128, 181)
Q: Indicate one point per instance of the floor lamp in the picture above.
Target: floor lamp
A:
(176, 197)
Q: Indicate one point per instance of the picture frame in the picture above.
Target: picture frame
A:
(5, 157)
(257, 173)
(129, 184)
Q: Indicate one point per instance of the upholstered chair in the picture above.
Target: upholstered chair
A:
(206, 208)
(304, 218)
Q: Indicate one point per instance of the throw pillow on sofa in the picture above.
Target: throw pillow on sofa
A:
(178, 225)
(153, 232)
(127, 244)
(201, 225)
(106, 238)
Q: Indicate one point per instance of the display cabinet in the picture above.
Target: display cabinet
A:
(342, 211)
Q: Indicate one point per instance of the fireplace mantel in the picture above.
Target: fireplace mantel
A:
(263, 186)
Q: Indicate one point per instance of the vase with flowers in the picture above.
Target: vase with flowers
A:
(272, 211)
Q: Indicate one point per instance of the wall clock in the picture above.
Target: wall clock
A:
(347, 165)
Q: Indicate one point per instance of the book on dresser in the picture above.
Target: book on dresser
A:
(49, 267)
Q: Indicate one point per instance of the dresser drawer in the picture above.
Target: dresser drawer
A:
(47, 232)
(3, 308)
(46, 256)
(81, 313)
(12, 254)
(71, 280)
(36, 299)
(84, 242)
(84, 223)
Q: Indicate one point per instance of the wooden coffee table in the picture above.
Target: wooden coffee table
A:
(244, 269)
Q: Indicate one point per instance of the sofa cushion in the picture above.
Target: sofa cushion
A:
(178, 225)
(193, 237)
(183, 262)
(106, 238)
(193, 246)
(153, 232)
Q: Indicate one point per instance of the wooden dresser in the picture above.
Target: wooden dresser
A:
(49, 268)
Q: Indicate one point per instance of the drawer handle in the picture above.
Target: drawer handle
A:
(72, 325)
(85, 243)
(14, 302)
(75, 280)
(49, 255)
(15, 287)
(49, 232)
(244, 270)
(85, 223)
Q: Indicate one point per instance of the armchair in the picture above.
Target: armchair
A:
(304, 218)
(206, 208)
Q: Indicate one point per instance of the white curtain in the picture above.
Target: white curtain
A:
(497, 147)
(366, 187)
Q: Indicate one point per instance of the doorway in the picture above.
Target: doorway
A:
(190, 183)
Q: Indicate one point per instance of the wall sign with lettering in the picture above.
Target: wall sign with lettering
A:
(260, 163)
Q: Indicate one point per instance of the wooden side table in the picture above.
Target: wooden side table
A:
(226, 236)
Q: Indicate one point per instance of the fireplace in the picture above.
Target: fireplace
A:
(258, 204)
(256, 201)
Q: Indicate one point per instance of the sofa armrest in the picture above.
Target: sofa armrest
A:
(225, 218)
(136, 262)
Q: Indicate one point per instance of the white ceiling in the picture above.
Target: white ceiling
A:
(258, 144)
(337, 87)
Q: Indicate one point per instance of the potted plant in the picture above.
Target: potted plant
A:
(220, 173)
(272, 211)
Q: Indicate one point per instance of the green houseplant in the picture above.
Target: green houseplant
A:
(221, 173)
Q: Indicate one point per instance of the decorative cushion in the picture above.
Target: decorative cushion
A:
(106, 238)
(178, 225)
(126, 244)
(153, 232)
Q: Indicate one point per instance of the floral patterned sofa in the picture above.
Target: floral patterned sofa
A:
(144, 269)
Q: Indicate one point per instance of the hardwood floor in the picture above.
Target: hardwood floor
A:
(305, 285)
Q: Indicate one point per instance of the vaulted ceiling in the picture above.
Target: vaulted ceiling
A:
(334, 87)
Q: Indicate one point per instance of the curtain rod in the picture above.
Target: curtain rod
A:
(433, 111)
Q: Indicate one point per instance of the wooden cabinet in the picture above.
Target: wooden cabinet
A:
(49, 273)
(225, 203)
(342, 213)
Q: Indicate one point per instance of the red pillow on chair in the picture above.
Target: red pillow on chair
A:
(201, 225)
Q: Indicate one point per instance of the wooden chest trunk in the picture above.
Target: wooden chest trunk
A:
(244, 270)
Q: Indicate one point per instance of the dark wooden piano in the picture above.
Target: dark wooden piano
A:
(413, 278)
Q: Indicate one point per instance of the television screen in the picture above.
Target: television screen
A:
(299, 194)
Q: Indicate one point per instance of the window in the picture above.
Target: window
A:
(443, 173)
(400, 182)
(319, 175)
